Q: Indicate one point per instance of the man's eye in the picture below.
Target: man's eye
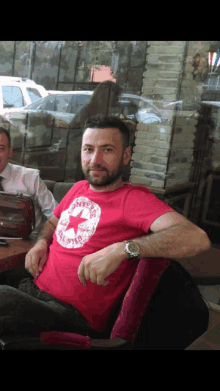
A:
(108, 149)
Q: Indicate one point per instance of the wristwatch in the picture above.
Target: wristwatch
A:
(132, 249)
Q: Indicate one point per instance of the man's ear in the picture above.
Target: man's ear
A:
(127, 155)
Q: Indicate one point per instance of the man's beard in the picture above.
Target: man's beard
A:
(106, 179)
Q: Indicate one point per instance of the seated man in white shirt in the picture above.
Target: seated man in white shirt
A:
(27, 181)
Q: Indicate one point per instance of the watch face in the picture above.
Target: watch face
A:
(133, 247)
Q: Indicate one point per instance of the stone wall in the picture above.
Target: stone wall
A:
(163, 152)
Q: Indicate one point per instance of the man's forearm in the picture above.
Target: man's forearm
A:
(47, 232)
(178, 241)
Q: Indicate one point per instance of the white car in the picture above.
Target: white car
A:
(63, 105)
(17, 92)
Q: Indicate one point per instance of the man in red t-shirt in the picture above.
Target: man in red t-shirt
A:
(101, 229)
(89, 249)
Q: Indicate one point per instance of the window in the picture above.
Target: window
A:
(63, 103)
(77, 102)
(42, 104)
(33, 94)
(12, 97)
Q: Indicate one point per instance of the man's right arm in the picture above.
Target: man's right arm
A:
(37, 256)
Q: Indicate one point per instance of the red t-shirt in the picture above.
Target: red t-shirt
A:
(88, 222)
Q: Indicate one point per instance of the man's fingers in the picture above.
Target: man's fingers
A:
(101, 281)
(31, 265)
(42, 262)
(81, 273)
(93, 277)
(86, 273)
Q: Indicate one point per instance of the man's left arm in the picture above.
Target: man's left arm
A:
(173, 236)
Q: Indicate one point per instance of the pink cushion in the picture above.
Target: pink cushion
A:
(137, 298)
(65, 339)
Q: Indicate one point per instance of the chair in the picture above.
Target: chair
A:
(161, 310)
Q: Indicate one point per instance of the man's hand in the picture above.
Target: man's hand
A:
(36, 258)
(99, 265)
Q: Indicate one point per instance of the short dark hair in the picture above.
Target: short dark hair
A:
(6, 132)
(109, 121)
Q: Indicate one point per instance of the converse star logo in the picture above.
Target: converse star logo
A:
(78, 223)
(75, 221)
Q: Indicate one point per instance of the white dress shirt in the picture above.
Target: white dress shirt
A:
(19, 179)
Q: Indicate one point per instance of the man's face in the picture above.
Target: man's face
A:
(103, 157)
(5, 151)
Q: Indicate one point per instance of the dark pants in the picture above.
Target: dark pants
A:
(29, 311)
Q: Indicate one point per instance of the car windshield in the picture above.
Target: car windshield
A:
(35, 105)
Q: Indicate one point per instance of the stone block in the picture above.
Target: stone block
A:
(163, 137)
(165, 130)
(164, 49)
(136, 156)
(159, 168)
(154, 183)
(149, 166)
(164, 58)
(151, 151)
(167, 43)
(147, 90)
(179, 167)
(175, 67)
(180, 152)
(147, 174)
(158, 144)
(143, 141)
(149, 82)
(144, 150)
(162, 152)
(164, 90)
(139, 180)
(169, 98)
(177, 137)
(151, 73)
(158, 159)
(170, 58)
(170, 83)
(142, 136)
(142, 127)
(168, 75)
(185, 159)
(154, 128)
(146, 158)
(186, 144)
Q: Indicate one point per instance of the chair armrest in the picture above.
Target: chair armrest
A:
(72, 340)
(61, 341)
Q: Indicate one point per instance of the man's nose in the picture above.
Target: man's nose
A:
(96, 157)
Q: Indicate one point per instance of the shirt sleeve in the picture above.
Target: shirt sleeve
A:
(44, 197)
(142, 208)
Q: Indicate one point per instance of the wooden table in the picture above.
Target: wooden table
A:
(14, 253)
